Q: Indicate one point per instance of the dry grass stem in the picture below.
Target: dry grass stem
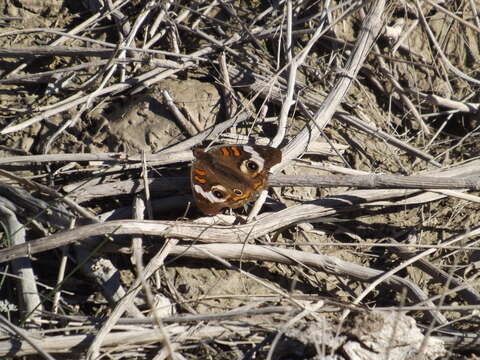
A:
(364, 244)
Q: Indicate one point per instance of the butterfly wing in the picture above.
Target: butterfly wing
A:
(230, 175)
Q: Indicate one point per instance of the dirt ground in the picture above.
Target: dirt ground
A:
(94, 78)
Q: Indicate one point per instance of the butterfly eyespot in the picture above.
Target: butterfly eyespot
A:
(238, 192)
(252, 165)
(218, 194)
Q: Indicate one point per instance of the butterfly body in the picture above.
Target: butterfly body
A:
(230, 175)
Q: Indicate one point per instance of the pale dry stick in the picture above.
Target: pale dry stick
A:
(328, 264)
(417, 307)
(184, 230)
(451, 307)
(331, 145)
(225, 44)
(305, 312)
(475, 14)
(173, 38)
(29, 299)
(84, 192)
(24, 202)
(69, 123)
(60, 40)
(259, 87)
(143, 79)
(176, 153)
(55, 194)
(432, 326)
(466, 246)
(72, 345)
(459, 106)
(401, 93)
(286, 103)
(465, 290)
(28, 338)
(395, 245)
(131, 36)
(157, 75)
(181, 17)
(123, 29)
(83, 108)
(445, 60)
(60, 109)
(335, 169)
(470, 317)
(456, 194)
(242, 311)
(351, 120)
(60, 278)
(292, 73)
(404, 36)
(260, 84)
(227, 7)
(459, 142)
(227, 90)
(266, 12)
(408, 262)
(209, 133)
(418, 198)
(453, 16)
(157, 261)
(435, 136)
(159, 18)
(206, 233)
(121, 21)
(137, 258)
(137, 241)
(72, 51)
(46, 76)
(217, 256)
(53, 49)
(310, 212)
(61, 102)
(148, 198)
(368, 33)
(61, 275)
(374, 181)
(53, 158)
(205, 12)
(191, 127)
(294, 63)
(449, 114)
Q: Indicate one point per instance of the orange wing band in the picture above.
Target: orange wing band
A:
(235, 150)
(200, 172)
(200, 180)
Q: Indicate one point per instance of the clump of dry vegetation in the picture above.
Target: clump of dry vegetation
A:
(366, 247)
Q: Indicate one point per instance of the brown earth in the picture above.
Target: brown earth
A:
(122, 123)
